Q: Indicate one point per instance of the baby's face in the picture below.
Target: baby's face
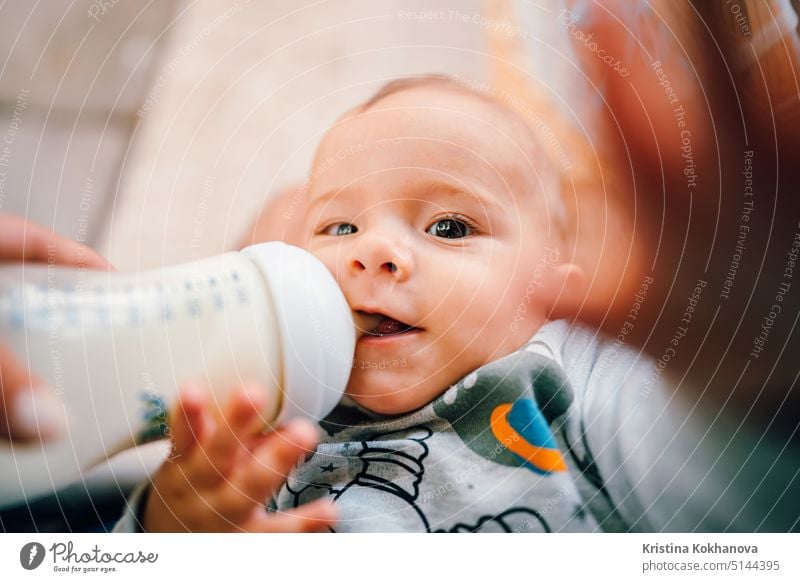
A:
(428, 217)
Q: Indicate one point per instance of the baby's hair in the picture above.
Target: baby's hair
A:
(435, 79)
(551, 184)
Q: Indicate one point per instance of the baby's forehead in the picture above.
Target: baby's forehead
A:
(460, 121)
(443, 99)
(437, 129)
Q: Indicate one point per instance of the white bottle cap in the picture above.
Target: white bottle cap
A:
(317, 332)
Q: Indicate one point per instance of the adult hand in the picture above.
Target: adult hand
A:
(27, 410)
(700, 152)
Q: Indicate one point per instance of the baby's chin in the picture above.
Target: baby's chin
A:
(391, 390)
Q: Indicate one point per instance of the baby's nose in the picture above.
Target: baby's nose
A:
(379, 255)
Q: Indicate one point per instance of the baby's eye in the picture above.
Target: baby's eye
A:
(340, 229)
(450, 228)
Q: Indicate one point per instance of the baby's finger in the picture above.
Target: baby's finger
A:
(189, 422)
(272, 461)
(241, 422)
(316, 516)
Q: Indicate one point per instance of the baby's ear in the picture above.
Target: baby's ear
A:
(564, 290)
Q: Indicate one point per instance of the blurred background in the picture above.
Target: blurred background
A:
(155, 131)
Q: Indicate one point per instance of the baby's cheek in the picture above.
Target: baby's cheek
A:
(502, 296)
(327, 256)
(515, 312)
(478, 330)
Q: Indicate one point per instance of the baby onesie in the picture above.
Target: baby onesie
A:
(571, 433)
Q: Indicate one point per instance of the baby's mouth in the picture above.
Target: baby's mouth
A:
(381, 325)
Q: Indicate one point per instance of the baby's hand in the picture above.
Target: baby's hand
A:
(224, 468)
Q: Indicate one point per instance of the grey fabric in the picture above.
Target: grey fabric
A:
(461, 463)
(569, 433)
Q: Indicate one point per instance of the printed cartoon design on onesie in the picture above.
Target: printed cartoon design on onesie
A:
(499, 417)
(516, 519)
(388, 476)
(482, 457)
(388, 481)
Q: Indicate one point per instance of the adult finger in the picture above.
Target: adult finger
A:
(27, 410)
(21, 240)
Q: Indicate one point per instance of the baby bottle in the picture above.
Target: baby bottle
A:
(116, 347)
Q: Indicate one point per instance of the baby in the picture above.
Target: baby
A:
(466, 410)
